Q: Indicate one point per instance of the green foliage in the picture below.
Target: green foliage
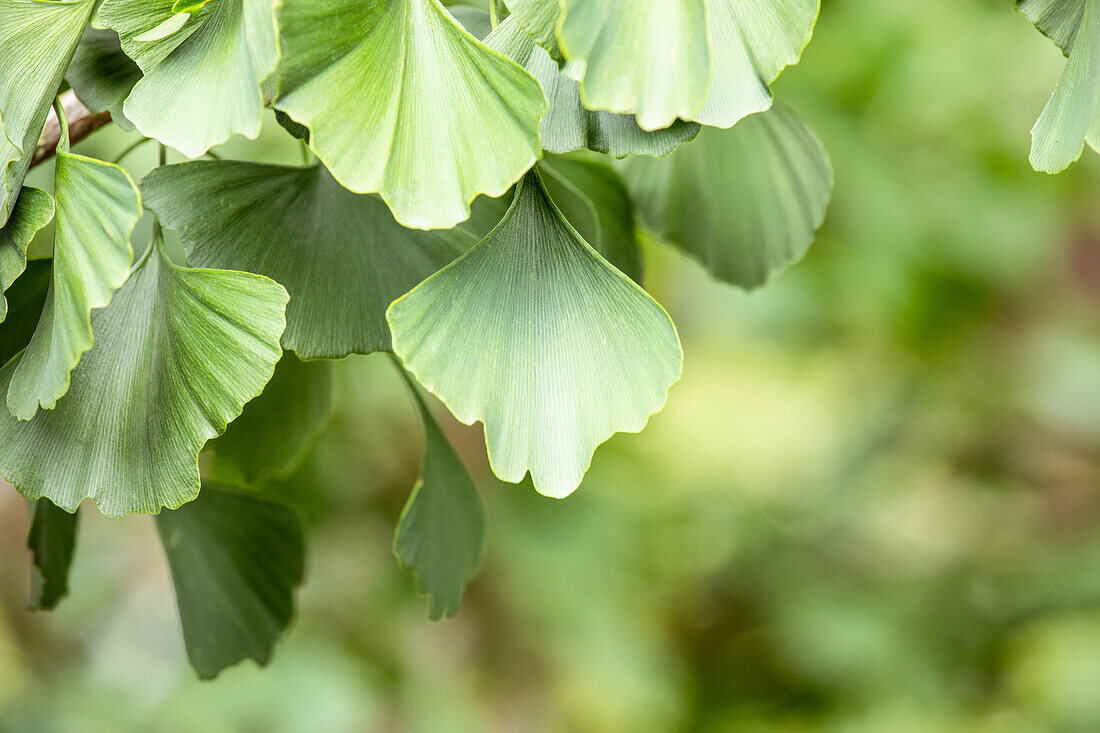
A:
(52, 540)
(456, 206)
(236, 560)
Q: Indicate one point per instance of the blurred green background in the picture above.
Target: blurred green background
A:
(872, 504)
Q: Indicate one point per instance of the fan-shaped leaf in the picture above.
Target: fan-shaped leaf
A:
(567, 125)
(341, 255)
(537, 336)
(102, 75)
(98, 207)
(51, 540)
(178, 353)
(203, 69)
(37, 39)
(1072, 116)
(401, 100)
(236, 560)
(745, 202)
(440, 537)
(703, 60)
(33, 210)
(277, 429)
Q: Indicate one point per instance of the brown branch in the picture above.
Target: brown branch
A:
(82, 123)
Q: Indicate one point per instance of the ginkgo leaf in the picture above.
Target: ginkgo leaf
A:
(745, 202)
(476, 20)
(276, 430)
(33, 210)
(440, 537)
(51, 541)
(26, 297)
(98, 207)
(341, 255)
(236, 560)
(37, 40)
(178, 353)
(401, 100)
(1071, 117)
(541, 339)
(567, 125)
(705, 60)
(102, 75)
(204, 69)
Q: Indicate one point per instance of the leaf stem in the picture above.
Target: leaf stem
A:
(129, 149)
(493, 17)
(59, 110)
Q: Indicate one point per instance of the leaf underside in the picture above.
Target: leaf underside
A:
(178, 353)
(542, 340)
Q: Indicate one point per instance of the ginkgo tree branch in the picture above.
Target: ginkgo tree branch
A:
(82, 123)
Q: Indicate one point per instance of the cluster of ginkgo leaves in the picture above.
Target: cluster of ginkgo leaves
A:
(477, 185)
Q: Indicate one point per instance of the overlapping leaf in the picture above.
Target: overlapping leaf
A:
(204, 67)
(567, 125)
(1072, 116)
(705, 60)
(37, 39)
(33, 210)
(51, 541)
(537, 336)
(745, 202)
(275, 431)
(236, 560)
(98, 207)
(401, 100)
(178, 353)
(440, 537)
(27, 296)
(341, 255)
(102, 75)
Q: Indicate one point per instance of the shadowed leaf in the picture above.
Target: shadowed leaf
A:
(51, 540)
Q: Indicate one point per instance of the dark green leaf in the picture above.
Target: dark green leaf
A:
(26, 299)
(52, 539)
(33, 210)
(236, 560)
(440, 537)
(102, 75)
(341, 255)
(277, 429)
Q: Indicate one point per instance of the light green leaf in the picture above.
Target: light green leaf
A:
(595, 202)
(705, 60)
(33, 210)
(51, 541)
(341, 255)
(178, 353)
(745, 202)
(37, 39)
(440, 537)
(102, 75)
(568, 126)
(26, 298)
(476, 20)
(445, 118)
(276, 430)
(236, 560)
(1072, 116)
(98, 207)
(204, 70)
(537, 336)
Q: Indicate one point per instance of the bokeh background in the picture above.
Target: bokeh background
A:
(872, 504)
